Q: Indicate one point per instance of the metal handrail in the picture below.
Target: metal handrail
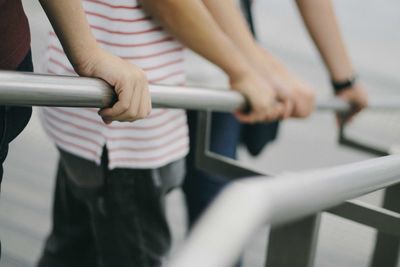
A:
(29, 89)
(247, 205)
(68, 91)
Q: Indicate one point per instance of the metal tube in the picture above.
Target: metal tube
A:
(245, 206)
(29, 89)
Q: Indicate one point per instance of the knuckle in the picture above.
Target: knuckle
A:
(311, 96)
(141, 75)
(259, 106)
(133, 114)
(142, 114)
(132, 118)
(148, 112)
(125, 106)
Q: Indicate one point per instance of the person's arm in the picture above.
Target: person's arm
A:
(227, 15)
(191, 23)
(297, 97)
(88, 59)
(320, 20)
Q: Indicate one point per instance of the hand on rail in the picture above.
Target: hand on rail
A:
(358, 99)
(261, 97)
(304, 99)
(298, 97)
(129, 83)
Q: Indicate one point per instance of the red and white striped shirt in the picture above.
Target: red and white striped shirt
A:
(124, 29)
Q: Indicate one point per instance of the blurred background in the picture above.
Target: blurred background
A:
(372, 32)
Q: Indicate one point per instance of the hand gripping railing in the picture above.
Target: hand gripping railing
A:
(247, 205)
(49, 90)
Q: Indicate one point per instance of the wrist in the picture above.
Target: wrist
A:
(255, 54)
(340, 85)
(85, 61)
(239, 72)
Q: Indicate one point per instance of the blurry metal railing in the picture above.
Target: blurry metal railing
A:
(245, 206)
(294, 243)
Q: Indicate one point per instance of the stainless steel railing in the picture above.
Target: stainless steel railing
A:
(247, 205)
(49, 90)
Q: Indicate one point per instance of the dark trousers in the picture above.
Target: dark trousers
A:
(109, 218)
(200, 188)
(13, 120)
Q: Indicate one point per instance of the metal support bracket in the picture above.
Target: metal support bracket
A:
(289, 245)
(293, 244)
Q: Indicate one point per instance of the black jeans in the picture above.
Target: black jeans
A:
(13, 120)
(109, 218)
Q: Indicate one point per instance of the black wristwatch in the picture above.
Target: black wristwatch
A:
(339, 86)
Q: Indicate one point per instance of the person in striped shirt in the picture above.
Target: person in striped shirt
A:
(87, 58)
(112, 178)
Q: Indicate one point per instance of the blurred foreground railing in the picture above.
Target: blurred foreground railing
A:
(245, 206)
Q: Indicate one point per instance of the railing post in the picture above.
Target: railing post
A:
(387, 247)
(293, 245)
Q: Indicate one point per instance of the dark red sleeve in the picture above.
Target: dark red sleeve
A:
(14, 34)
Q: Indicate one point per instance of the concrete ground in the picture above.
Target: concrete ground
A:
(371, 31)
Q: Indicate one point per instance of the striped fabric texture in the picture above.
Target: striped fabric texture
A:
(124, 29)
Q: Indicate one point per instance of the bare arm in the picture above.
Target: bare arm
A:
(193, 25)
(70, 24)
(230, 19)
(129, 82)
(320, 20)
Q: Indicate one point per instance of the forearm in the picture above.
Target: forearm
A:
(69, 22)
(320, 20)
(230, 19)
(191, 23)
